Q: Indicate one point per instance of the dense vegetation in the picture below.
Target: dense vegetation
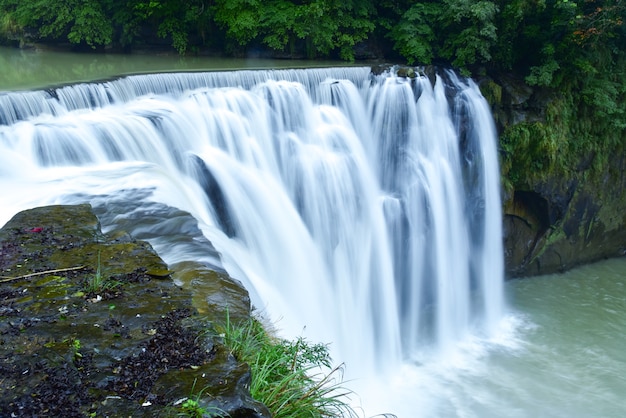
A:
(541, 38)
(571, 53)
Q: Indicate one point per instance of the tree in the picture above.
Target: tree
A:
(176, 19)
(461, 32)
(415, 32)
(80, 21)
(323, 26)
(473, 31)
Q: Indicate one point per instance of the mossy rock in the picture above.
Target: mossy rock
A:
(214, 294)
(491, 91)
(406, 72)
(61, 237)
(70, 224)
(70, 350)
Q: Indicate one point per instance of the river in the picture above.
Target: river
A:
(36, 68)
(548, 346)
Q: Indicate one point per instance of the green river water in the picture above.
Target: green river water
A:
(569, 352)
(31, 68)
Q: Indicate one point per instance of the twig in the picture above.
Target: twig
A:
(39, 273)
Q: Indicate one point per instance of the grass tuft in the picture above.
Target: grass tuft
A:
(292, 378)
(98, 283)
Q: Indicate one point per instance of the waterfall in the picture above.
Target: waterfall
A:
(359, 210)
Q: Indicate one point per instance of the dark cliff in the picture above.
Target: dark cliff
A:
(564, 179)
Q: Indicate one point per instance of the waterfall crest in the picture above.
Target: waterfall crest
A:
(362, 208)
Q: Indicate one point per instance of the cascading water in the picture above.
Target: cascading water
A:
(358, 210)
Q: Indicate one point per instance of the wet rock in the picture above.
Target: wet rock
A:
(214, 294)
(406, 72)
(560, 225)
(95, 325)
(556, 216)
(556, 222)
(224, 384)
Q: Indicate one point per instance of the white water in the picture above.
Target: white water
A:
(360, 211)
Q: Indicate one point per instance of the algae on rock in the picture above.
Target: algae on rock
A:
(131, 350)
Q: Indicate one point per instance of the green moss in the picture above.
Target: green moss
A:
(214, 294)
(115, 258)
(569, 141)
(492, 92)
(9, 28)
(530, 152)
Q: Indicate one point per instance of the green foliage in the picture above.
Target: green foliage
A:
(90, 26)
(74, 345)
(192, 408)
(79, 21)
(239, 18)
(95, 282)
(531, 150)
(414, 34)
(177, 20)
(492, 92)
(543, 75)
(583, 127)
(472, 22)
(547, 41)
(523, 152)
(9, 28)
(462, 32)
(323, 26)
(103, 22)
(292, 378)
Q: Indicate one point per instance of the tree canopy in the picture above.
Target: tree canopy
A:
(546, 41)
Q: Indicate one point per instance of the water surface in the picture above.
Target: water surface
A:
(560, 353)
(22, 69)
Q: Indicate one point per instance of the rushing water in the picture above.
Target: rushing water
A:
(559, 353)
(358, 210)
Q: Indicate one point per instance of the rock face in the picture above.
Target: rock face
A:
(96, 326)
(556, 218)
(560, 225)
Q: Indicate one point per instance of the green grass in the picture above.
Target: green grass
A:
(97, 282)
(192, 408)
(292, 378)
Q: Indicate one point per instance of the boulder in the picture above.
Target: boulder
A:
(92, 325)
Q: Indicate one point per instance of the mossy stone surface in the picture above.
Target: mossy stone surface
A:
(70, 349)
